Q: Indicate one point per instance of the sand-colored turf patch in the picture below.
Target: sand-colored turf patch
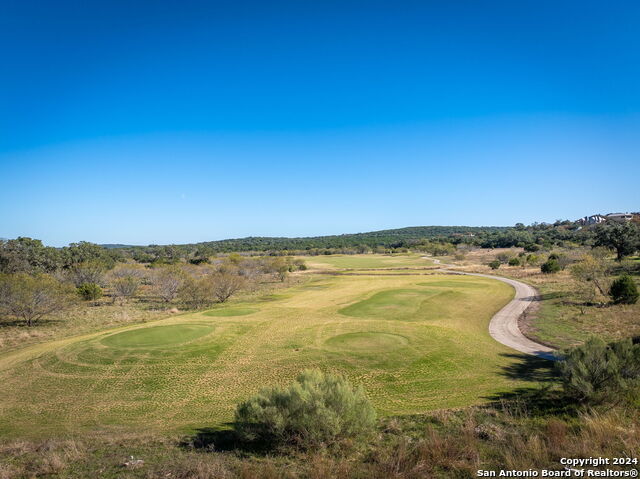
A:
(370, 342)
(230, 312)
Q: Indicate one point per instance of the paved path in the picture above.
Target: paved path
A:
(504, 324)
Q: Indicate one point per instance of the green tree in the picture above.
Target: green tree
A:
(550, 266)
(85, 251)
(89, 291)
(32, 297)
(316, 409)
(624, 290)
(26, 255)
(624, 238)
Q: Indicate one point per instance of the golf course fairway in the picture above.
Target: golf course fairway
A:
(414, 341)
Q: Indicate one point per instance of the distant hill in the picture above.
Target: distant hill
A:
(388, 238)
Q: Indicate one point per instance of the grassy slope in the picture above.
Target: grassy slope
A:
(427, 348)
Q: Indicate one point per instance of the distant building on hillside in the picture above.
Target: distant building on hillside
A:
(591, 220)
(621, 217)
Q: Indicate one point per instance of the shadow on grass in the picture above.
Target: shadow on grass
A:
(221, 440)
(5, 323)
(527, 367)
(544, 398)
(551, 295)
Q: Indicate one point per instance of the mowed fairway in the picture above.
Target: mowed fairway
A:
(367, 261)
(414, 341)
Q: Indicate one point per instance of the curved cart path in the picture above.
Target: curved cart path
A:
(504, 324)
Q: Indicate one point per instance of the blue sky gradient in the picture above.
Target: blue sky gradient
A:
(170, 122)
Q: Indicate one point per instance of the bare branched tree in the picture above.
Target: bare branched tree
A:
(30, 298)
(125, 287)
(225, 284)
(88, 272)
(167, 283)
(591, 274)
(196, 293)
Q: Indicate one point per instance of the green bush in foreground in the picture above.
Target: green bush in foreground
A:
(89, 291)
(624, 290)
(495, 264)
(551, 266)
(317, 408)
(597, 372)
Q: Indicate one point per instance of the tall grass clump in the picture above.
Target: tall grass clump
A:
(317, 408)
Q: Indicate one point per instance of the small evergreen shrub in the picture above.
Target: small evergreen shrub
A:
(89, 291)
(550, 266)
(495, 264)
(597, 372)
(316, 409)
(624, 290)
(514, 262)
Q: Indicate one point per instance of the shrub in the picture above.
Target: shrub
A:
(89, 291)
(495, 264)
(317, 408)
(514, 262)
(624, 290)
(597, 372)
(531, 247)
(503, 257)
(532, 259)
(550, 266)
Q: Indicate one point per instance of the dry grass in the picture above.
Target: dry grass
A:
(443, 445)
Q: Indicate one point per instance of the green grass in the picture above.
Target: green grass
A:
(414, 342)
(368, 261)
(158, 336)
(563, 321)
(231, 312)
(399, 304)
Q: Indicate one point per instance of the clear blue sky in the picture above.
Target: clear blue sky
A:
(170, 122)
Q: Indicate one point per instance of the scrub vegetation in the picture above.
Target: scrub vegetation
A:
(194, 361)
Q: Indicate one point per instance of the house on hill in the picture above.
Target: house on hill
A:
(591, 220)
(621, 217)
